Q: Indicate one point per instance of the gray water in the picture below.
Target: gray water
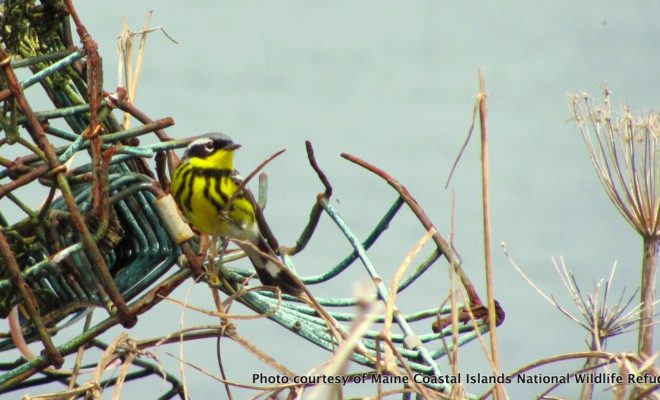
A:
(394, 83)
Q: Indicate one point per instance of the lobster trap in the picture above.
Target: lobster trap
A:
(96, 236)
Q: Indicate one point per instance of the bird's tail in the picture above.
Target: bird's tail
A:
(269, 272)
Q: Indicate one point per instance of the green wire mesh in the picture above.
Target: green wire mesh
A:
(421, 350)
(98, 241)
(137, 250)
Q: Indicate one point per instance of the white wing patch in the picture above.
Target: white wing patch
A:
(272, 268)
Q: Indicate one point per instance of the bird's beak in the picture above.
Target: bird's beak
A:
(232, 146)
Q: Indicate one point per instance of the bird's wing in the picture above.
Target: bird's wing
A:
(264, 229)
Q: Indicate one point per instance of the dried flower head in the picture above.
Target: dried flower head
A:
(625, 151)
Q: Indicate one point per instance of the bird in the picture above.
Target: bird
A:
(204, 183)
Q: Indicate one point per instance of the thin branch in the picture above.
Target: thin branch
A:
(419, 212)
(317, 209)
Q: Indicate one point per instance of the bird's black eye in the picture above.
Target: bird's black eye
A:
(209, 146)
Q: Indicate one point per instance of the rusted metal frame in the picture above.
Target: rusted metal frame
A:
(173, 161)
(38, 134)
(146, 302)
(30, 302)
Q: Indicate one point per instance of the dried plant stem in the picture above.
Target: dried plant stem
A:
(587, 390)
(229, 382)
(453, 294)
(132, 90)
(391, 306)
(80, 354)
(492, 319)
(125, 69)
(77, 392)
(649, 268)
(182, 370)
(214, 278)
(258, 353)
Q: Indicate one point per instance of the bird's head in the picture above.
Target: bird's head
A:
(213, 150)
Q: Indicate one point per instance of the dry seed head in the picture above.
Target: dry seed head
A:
(625, 152)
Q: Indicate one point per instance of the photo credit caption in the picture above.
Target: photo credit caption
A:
(596, 378)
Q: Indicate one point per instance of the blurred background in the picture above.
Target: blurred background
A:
(395, 84)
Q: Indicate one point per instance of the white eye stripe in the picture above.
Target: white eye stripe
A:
(201, 147)
(199, 142)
